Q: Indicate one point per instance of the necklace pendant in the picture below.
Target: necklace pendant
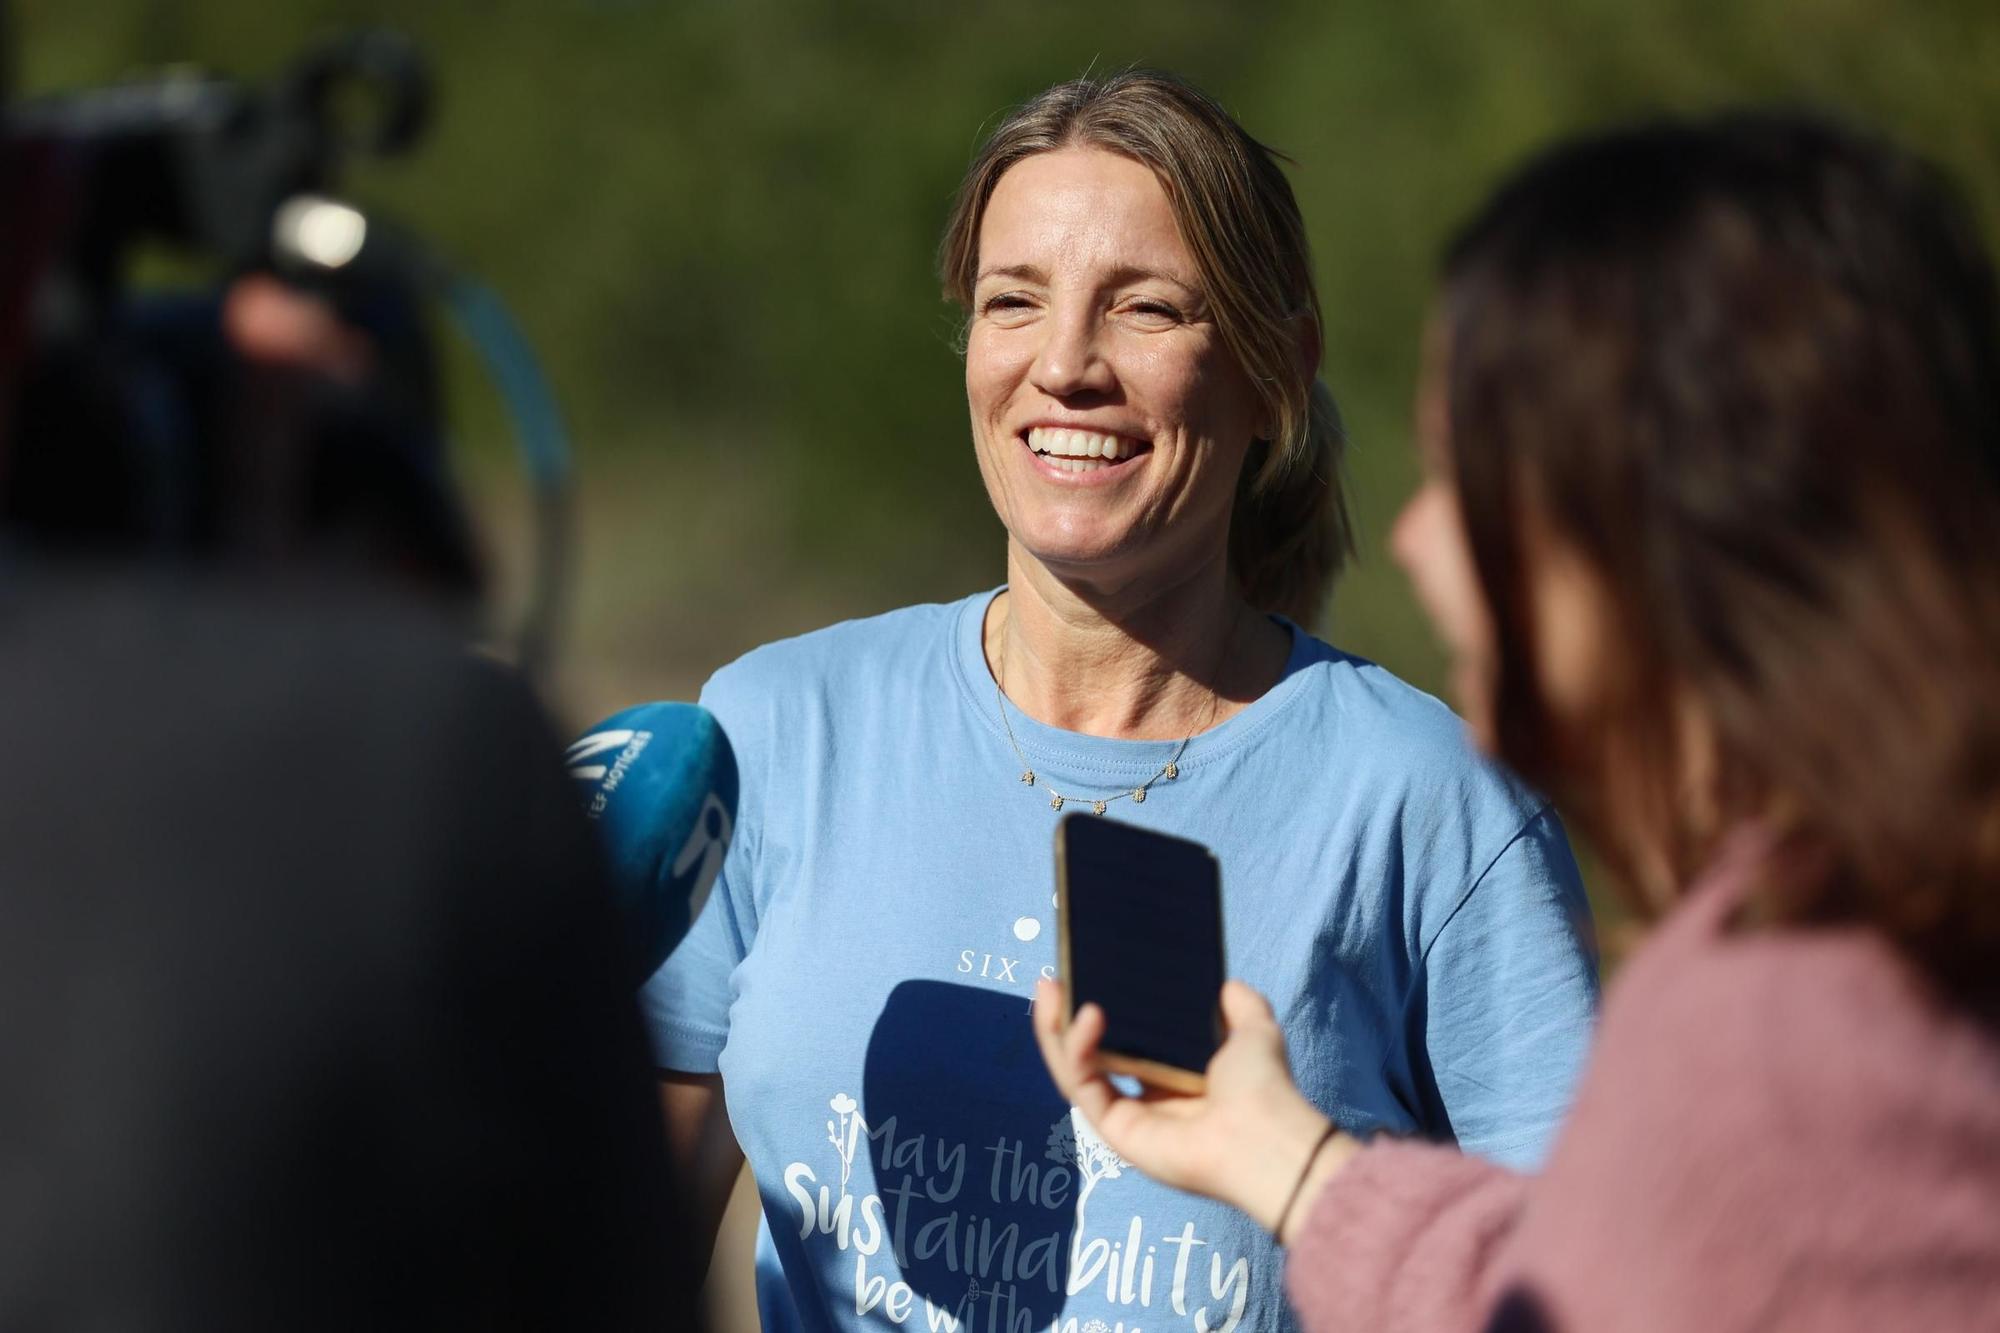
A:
(1138, 796)
(1172, 771)
(1055, 802)
(1097, 807)
(1028, 776)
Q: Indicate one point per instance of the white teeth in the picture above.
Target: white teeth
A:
(1054, 442)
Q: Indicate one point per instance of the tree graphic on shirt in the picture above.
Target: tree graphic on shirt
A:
(1073, 1142)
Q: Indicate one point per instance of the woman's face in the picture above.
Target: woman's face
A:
(1573, 614)
(1429, 542)
(1110, 420)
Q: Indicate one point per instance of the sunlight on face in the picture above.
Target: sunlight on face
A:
(1109, 419)
(1573, 610)
(1430, 544)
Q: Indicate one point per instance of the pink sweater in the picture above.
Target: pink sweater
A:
(1777, 1131)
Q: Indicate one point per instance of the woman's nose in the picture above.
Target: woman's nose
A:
(1071, 358)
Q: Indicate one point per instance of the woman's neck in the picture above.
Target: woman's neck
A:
(1157, 662)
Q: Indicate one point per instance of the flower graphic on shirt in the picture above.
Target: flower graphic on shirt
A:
(844, 1132)
(1073, 1142)
(1097, 1326)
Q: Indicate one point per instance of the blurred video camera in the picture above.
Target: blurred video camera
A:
(136, 426)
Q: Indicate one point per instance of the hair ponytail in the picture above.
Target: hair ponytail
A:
(1289, 534)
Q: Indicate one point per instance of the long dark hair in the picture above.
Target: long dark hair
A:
(1749, 369)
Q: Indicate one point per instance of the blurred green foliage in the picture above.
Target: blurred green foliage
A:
(717, 222)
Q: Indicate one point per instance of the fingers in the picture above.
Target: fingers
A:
(1069, 1049)
(1244, 1010)
(1048, 1007)
(1070, 1052)
(1100, 1104)
(1086, 1032)
(1078, 1037)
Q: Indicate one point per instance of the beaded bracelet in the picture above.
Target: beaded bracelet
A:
(1291, 1199)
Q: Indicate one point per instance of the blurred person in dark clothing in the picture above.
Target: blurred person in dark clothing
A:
(313, 1011)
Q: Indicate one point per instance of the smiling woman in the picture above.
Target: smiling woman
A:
(1141, 356)
(1107, 412)
(1210, 237)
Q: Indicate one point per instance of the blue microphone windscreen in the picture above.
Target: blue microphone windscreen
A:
(659, 782)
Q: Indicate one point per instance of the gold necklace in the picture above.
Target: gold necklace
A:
(1169, 770)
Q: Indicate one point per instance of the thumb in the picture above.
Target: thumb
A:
(1244, 1010)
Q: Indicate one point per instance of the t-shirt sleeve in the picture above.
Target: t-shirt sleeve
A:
(1508, 995)
(686, 1003)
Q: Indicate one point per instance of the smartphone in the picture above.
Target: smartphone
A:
(1139, 934)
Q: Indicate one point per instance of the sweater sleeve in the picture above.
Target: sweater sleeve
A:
(1404, 1238)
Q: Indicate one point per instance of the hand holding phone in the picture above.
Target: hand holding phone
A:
(1249, 1138)
(1139, 918)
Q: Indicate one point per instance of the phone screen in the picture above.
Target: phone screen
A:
(1141, 921)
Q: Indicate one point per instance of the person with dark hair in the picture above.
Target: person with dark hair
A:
(1711, 526)
(1141, 351)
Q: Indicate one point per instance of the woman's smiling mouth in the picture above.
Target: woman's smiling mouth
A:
(1066, 449)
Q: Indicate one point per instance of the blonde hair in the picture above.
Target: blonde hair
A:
(1289, 530)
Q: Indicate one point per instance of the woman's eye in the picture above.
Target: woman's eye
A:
(1155, 312)
(1003, 302)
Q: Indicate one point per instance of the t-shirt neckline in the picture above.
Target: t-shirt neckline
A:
(1103, 760)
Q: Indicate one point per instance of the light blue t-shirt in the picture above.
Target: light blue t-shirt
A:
(861, 973)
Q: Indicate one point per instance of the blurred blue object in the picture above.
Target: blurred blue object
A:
(659, 782)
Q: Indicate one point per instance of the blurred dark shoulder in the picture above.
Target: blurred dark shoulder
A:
(269, 692)
(306, 959)
(82, 617)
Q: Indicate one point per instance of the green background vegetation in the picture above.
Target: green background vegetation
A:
(717, 223)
